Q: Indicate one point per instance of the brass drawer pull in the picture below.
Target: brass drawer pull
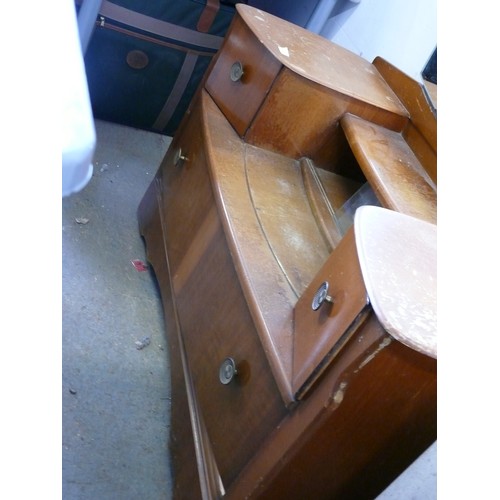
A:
(236, 71)
(227, 371)
(321, 296)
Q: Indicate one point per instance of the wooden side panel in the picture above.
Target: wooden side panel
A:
(300, 118)
(368, 418)
(413, 96)
(385, 419)
(181, 444)
(423, 151)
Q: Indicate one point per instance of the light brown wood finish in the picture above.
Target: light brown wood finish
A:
(421, 131)
(326, 193)
(432, 92)
(309, 83)
(240, 100)
(238, 233)
(182, 446)
(203, 279)
(300, 118)
(358, 429)
(315, 58)
(320, 334)
(274, 236)
(242, 419)
(391, 167)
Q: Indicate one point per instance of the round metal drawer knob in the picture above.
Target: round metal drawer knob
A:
(179, 157)
(321, 296)
(236, 71)
(227, 371)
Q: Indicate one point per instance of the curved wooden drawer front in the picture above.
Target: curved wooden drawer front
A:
(213, 315)
(216, 324)
(322, 332)
(240, 100)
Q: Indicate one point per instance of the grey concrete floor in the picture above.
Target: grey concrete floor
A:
(116, 397)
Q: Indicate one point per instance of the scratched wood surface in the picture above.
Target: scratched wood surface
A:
(243, 210)
(392, 169)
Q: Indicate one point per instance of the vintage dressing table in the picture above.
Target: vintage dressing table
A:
(292, 230)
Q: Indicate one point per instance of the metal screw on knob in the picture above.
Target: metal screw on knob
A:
(236, 71)
(227, 371)
(321, 296)
(179, 157)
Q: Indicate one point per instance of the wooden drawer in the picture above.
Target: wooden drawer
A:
(240, 99)
(212, 313)
(328, 314)
(241, 414)
(295, 87)
(182, 174)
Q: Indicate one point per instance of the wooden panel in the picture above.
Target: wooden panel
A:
(395, 174)
(183, 214)
(421, 101)
(385, 418)
(216, 324)
(213, 314)
(288, 224)
(413, 96)
(320, 334)
(273, 233)
(240, 100)
(182, 449)
(319, 60)
(369, 417)
(422, 149)
(327, 192)
(431, 89)
(338, 188)
(267, 292)
(299, 118)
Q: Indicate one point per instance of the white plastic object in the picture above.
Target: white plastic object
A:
(77, 127)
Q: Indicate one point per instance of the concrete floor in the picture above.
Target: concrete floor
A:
(115, 396)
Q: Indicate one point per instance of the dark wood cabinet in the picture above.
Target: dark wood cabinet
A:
(249, 215)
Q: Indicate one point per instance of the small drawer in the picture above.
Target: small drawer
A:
(242, 76)
(327, 314)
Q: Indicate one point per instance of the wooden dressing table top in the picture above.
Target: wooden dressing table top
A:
(398, 259)
(275, 254)
(319, 60)
(275, 235)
